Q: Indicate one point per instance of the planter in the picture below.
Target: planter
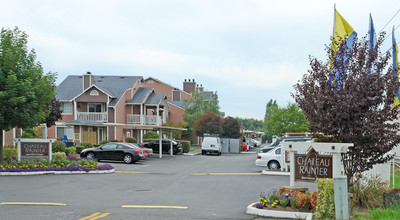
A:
(251, 209)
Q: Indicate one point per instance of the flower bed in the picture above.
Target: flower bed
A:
(66, 165)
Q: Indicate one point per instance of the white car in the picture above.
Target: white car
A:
(271, 159)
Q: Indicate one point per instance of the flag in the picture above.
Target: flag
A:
(395, 66)
(372, 39)
(343, 33)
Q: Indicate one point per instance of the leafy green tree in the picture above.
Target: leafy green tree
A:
(198, 106)
(250, 123)
(208, 123)
(25, 91)
(357, 108)
(270, 108)
(230, 128)
(177, 134)
(287, 119)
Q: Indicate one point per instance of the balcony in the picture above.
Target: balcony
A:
(144, 119)
(93, 116)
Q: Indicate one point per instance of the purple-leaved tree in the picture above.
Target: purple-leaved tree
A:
(356, 107)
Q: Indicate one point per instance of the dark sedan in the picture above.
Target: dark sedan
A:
(112, 151)
(166, 145)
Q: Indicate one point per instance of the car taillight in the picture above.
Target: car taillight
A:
(217, 141)
(137, 151)
(258, 157)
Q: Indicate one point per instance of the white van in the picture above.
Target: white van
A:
(211, 145)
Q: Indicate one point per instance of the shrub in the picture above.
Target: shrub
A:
(10, 153)
(67, 151)
(58, 147)
(293, 202)
(368, 193)
(113, 140)
(149, 139)
(185, 146)
(79, 149)
(326, 198)
(72, 149)
(273, 197)
(303, 201)
(87, 145)
(284, 202)
(96, 145)
(104, 142)
(150, 134)
(130, 140)
(60, 156)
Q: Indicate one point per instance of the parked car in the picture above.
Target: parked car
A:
(278, 140)
(254, 143)
(211, 144)
(112, 151)
(266, 149)
(166, 144)
(142, 151)
(271, 159)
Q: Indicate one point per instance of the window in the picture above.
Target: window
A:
(95, 107)
(109, 147)
(61, 131)
(66, 107)
(278, 151)
(94, 93)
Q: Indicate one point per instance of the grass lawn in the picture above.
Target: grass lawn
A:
(194, 148)
(396, 178)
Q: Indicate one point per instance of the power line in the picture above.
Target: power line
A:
(389, 21)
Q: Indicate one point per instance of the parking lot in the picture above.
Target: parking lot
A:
(172, 187)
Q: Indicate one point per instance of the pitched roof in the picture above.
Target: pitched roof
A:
(114, 86)
(207, 95)
(180, 104)
(155, 98)
(140, 95)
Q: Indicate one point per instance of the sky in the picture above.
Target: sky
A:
(248, 51)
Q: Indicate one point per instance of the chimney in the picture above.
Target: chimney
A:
(200, 88)
(88, 80)
(189, 86)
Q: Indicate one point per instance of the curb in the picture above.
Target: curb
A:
(276, 173)
(277, 214)
(55, 172)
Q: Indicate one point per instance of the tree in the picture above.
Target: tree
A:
(25, 91)
(230, 128)
(208, 123)
(287, 119)
(269, 109)
(250, 123)
(197, 106)
(55, 113)
(357, 107)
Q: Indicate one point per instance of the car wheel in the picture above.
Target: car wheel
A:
(90, 155)
(128, 158)
(202, 152)
(273, 165)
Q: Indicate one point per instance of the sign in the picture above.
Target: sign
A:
(309, 167)
(35, 150)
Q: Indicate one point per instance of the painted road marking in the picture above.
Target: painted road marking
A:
(226, 174)
(154, 207)
(133, 172)
(33, 203)
(95, 216)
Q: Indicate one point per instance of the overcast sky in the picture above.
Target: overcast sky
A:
(248, 51)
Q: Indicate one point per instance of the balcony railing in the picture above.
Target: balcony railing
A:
(144, 119)
(93, 116)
